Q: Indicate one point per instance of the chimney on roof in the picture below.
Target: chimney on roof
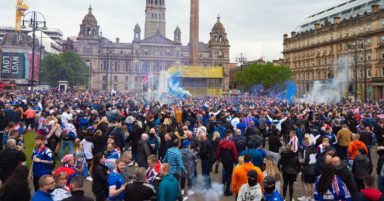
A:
(293, 34)
(117, 40)
(317, 26)
(375, 8)
(285, 36)
(337, 19)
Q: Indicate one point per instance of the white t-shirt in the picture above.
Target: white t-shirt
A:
(87, 148)
(64, 118)
(234, 122)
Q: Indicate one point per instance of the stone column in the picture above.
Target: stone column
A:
(194, 33)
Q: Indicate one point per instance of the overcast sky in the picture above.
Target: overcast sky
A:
(254, 27)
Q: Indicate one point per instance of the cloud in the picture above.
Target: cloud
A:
(254, 27)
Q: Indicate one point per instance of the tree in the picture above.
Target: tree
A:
(266, 74)
(77, 71)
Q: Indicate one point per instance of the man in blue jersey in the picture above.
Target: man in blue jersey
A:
(116, 182)
(42, 160)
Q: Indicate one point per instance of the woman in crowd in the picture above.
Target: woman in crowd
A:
(100, 177)
(271, 169)
(329, 187)
(308, 163)
(81, 165)
(215, 142)
(16, 187)
(61, 191)
(289, 166)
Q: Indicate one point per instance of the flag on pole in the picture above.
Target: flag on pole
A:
(146, 78)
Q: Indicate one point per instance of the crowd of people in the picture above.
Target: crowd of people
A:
(132, 148)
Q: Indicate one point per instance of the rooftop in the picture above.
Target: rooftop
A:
(345, 10)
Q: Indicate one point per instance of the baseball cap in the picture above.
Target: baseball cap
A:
(186, 143)
(252, 174)
(269, 181)
(67, 158)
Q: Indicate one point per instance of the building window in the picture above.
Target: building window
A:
(126, 87)
(88, 50)
(368, 56)
(368, 73)
(369, 41)
(104, 78)
(126, 78)
(115, 78)
(382, 39)
(382, 72)
(104, 86)
(115, 86)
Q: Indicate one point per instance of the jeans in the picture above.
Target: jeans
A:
(206, 170)
(182, 183)
(52, 143)
(36, 183)
(29, 122)
(227, 176)
(64, 144)
(288, 181)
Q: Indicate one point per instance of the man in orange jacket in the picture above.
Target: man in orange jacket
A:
(354, 146)
(240, 177)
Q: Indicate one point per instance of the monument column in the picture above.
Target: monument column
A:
(194, 33)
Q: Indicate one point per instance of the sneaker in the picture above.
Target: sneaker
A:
(89, 178)
(227, 194)
(190, 192)
(185, 198)
(302, 198)
(131, 163)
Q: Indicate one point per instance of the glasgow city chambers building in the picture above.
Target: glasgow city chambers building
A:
(123, 66)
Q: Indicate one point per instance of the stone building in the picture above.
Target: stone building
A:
(347, 36)
(123, 66)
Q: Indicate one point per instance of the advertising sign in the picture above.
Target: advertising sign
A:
(16, 65)
(13, 65)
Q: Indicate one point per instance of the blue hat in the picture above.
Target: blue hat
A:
(186, 143)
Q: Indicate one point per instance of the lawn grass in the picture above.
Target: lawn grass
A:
(29, 143)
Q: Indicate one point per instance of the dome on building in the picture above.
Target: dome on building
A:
(90, 18)
(218, 27)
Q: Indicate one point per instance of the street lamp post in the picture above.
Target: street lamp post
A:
(242, 60)
(107, 66)
(35, 20)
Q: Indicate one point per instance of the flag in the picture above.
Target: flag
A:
(146, 78)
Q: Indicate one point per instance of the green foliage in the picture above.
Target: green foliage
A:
(266, 74)
(77, 71)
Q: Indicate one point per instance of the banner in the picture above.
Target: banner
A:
(13, 65)
(36, 67)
